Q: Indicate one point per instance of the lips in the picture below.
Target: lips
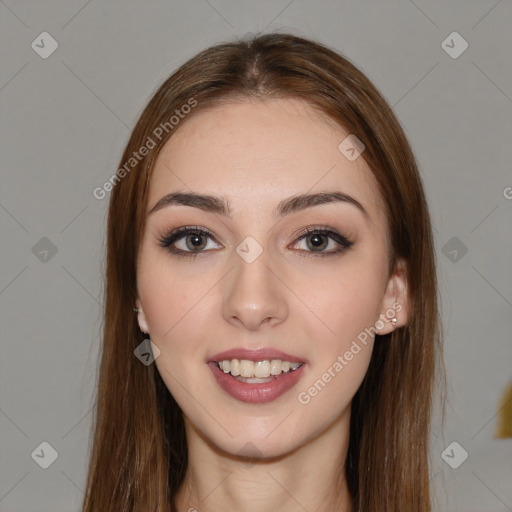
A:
(256, 355)
(256, 393)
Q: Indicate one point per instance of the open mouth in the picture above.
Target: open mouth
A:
(257, 381)
(256, 372)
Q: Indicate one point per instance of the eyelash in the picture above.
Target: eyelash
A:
(166, 240)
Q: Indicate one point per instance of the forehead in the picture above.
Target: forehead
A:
(258, 152)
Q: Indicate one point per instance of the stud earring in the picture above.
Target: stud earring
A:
(136, 310)
(393, 321)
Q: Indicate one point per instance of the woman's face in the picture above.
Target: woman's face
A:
(252, 279)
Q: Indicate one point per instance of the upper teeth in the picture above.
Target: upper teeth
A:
(259, 369)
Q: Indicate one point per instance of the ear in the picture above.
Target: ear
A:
(141, 317)
(395, 303)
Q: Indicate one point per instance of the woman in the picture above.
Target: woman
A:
(269, 227)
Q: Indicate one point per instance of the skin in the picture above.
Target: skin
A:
(290, 298)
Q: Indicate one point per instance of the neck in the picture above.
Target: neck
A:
(312, 477)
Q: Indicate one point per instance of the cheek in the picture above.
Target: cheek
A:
(171, 297)
(346, 307)
(343, 302)
(176, 307)
(176, 303)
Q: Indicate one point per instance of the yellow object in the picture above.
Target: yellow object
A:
(504, 426)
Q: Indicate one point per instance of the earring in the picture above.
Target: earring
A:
(393, 321)
(136, 310)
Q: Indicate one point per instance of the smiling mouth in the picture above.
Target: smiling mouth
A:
(254, 372)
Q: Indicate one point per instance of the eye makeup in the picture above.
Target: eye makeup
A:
(193, 238)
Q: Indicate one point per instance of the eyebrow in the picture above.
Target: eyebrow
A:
(220, 205)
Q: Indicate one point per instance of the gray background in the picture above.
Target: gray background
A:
(66, 118)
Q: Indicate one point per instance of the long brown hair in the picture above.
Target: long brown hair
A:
(139, 451)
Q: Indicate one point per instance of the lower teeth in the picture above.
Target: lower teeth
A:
(255, 380)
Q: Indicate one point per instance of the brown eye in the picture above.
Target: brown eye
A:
(187, 241)
(195, 241)
(317, 240)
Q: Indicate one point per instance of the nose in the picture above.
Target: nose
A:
(254, 295)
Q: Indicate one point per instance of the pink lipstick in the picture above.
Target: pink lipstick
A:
(285, 373)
